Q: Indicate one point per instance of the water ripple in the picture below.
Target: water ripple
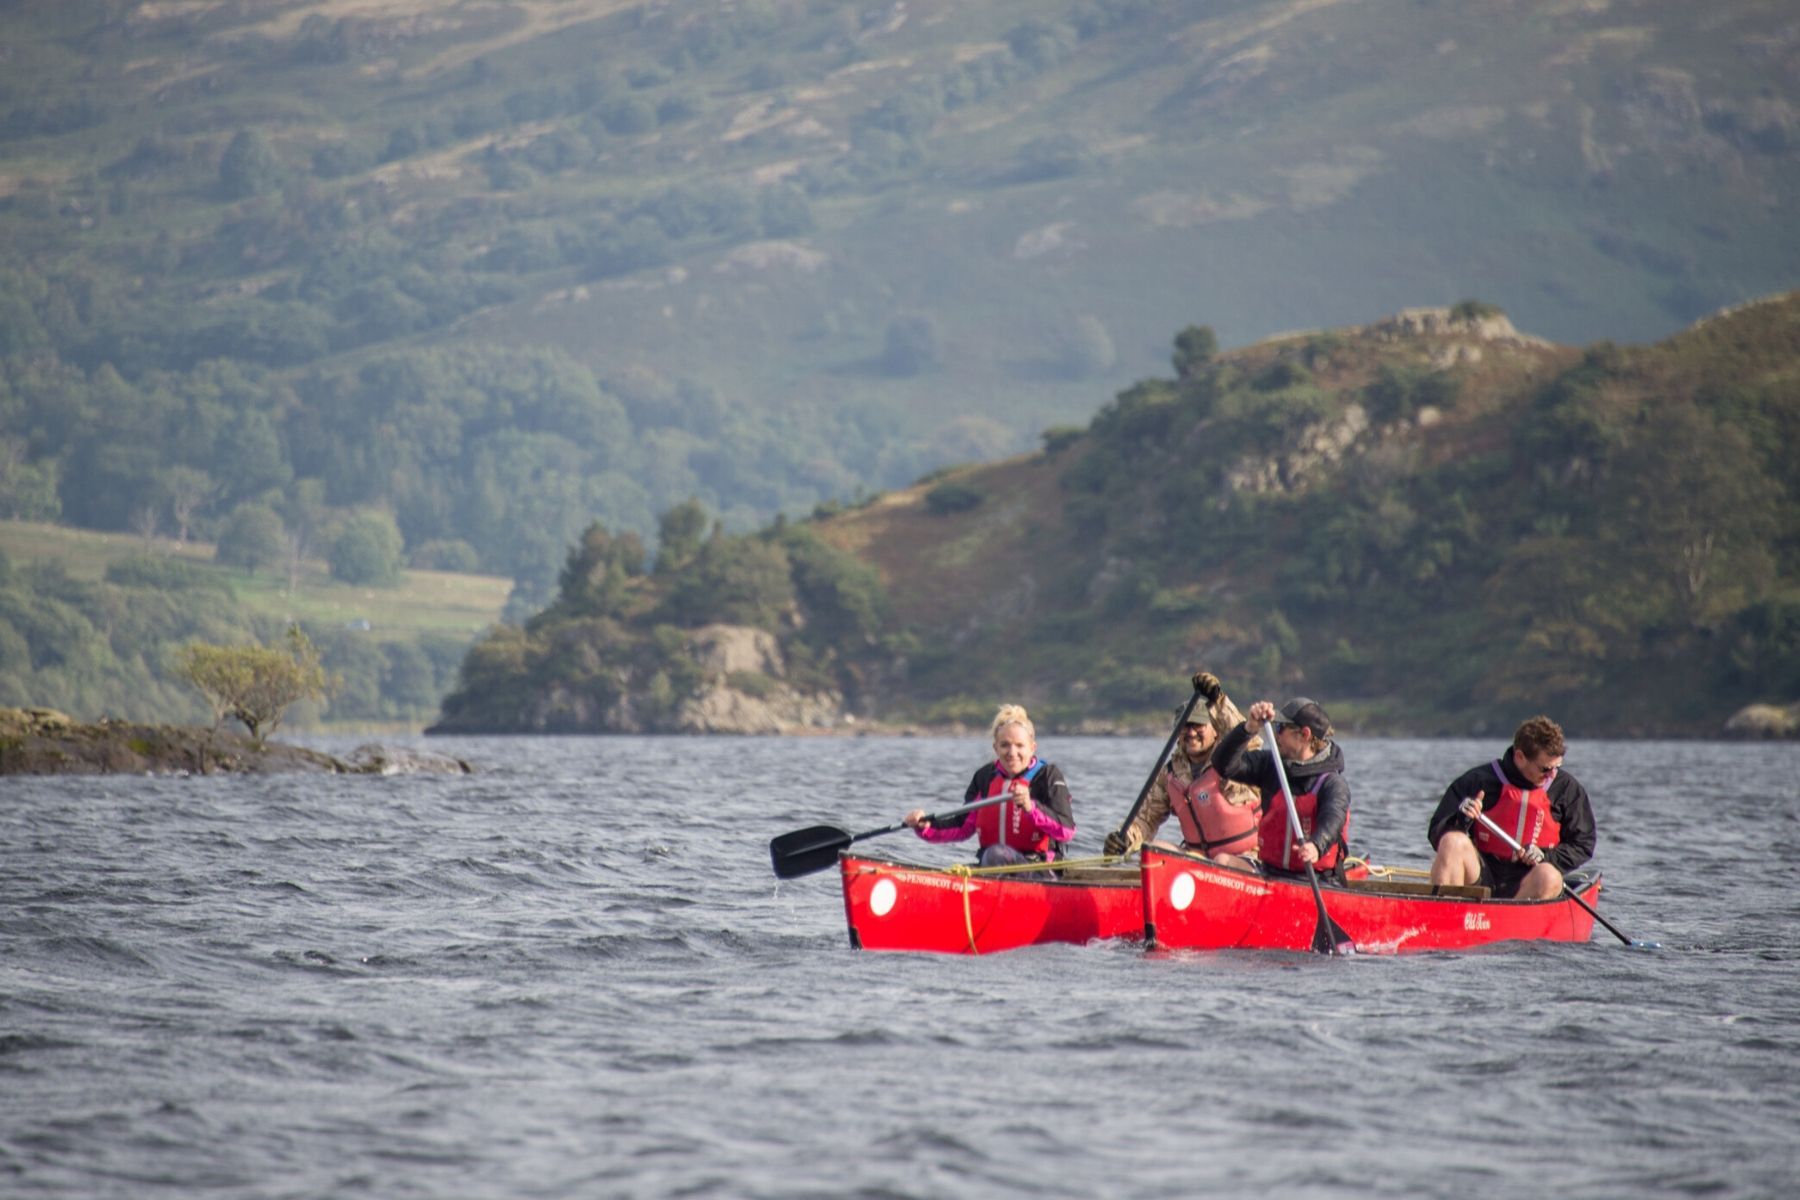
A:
(561, 977)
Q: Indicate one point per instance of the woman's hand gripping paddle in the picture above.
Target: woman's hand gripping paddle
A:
(1634, 943)
(1328, 937)
(813, 849)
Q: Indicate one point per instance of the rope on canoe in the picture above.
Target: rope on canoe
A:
(965, 871)
(1378, 871)
(1098, 860)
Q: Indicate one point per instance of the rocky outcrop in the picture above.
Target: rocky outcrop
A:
(1488, 326)
(373, 758)
(1765, 721)
(1315, 451)
(746, 689)
(42, 741)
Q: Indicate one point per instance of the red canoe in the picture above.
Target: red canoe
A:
(902, 906)
(1193, 904)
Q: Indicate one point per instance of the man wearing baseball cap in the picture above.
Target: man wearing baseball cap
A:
(1315, 772)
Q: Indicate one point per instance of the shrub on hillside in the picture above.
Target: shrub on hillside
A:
(1475, 310)
(843, 596)
(1195, 346)
(165, 574)
(445, 554)
(248, 167)
(367, 550)
(734, 581)
(1398, 393)
(1280, 375)
(1139, 689)
(953, 497)
(253, 537)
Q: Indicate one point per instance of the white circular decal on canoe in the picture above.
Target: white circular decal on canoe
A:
(881, 897)
(1181, 891)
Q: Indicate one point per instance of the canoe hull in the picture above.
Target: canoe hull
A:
(902, 906)
(1193, 904)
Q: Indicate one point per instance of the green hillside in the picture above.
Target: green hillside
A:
(503, 268)
(1433, 523)
(88, 622)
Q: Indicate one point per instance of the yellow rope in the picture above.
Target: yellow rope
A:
(1385, 872)
(969, 874)
(968, 886)
(1098, 860)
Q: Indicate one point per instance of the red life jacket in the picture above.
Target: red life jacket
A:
(1208, 823)
(1522, 812)
(1275, 844)
(1020, 832)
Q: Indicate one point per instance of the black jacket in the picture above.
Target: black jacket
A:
(1568, 806)
(1257, 768)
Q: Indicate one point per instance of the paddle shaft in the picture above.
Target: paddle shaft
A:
(1293, 820)
(1144, 792)
(964, 811)
(1567, 890)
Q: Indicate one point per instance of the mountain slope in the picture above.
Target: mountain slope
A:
(1433, 523)
(801, 248)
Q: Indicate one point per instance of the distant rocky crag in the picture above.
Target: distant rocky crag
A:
(42, 741)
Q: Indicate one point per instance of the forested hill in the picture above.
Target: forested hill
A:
(497, 269)
(1432, 523)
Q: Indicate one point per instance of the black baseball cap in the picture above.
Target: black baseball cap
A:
(1301, 711)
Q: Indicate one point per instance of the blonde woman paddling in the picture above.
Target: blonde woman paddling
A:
(1036, 822)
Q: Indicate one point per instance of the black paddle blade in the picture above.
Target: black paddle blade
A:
(1329, 938)
(806, 850)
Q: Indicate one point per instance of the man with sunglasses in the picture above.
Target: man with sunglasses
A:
(1527, 793)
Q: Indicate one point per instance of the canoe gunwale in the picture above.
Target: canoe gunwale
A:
(1581, 884)
(1124, 875)
(1193, 903)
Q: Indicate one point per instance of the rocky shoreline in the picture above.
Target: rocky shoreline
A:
(42, 741)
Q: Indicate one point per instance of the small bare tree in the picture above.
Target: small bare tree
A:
(256, 684)
(188, 491)
(146, 524)
(293, 557)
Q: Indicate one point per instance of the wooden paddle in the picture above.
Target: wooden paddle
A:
(813, 849)
(1634, 943)
(1144, 792)
(1328, 937)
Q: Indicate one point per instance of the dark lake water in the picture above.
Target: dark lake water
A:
(573, 975)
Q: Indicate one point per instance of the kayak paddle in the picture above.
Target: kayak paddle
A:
(1634, 943)
(1144, 792)
(1328, 936)
(813, 849)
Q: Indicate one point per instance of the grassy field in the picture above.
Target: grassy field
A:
(422, 602)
